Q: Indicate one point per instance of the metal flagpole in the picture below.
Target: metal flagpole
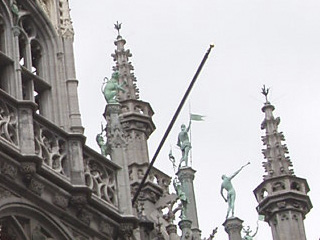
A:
(174, 118)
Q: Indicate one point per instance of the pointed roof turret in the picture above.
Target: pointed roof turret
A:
(277, 163)
(282, 197)
(136, 115)
(125, 68)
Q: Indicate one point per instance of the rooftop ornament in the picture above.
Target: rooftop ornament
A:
(265, 92)
(117, 26)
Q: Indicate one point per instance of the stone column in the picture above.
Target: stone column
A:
(16, 89)
(233, 227)
(72, 86)
(186, 177)
(172, 232)
(75, 144)
(185, 226)
(116, 140)
(26, 131)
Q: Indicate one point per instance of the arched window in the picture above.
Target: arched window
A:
(24, 222)
(6, 63)
(36, 52)
(34, 86)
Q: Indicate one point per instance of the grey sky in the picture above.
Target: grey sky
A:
(257, 42)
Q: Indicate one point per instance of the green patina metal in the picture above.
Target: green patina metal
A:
(231, 193)
(111, 87)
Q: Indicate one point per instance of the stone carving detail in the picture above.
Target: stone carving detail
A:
(295, 186)
(284, 217)
(233, 227)
(101, 180)
(61, 201)
(28, 169)
(8, 123)
(281, 204)
(66, 28)
(36, 187)
(44, 6)
(126, 231)
(4, 193)
(9, 170)
(106, 228)
(84, 216)
(79, 201)
(168, 203)
(51, 148)
(278, 186)
(295, 217)
(161, 179)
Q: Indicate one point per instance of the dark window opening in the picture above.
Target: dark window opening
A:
(22, 51)
(2, 49)
(36, 58)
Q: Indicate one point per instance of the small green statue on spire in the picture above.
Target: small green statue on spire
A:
(104, 146)
(111, 87)
(182, 197)
(184, 143)
(248, 232)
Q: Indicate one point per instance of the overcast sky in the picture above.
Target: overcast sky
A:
(271, 42)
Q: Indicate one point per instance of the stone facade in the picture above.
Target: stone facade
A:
(53, 186)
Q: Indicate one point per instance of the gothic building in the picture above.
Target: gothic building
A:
(53, 186)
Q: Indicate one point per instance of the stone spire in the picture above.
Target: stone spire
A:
(282, 197)
(125, 68)
(136, 115)
(277, 164)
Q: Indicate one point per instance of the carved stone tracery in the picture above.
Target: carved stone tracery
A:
(66, 28)
(8, 123)
(101, 180)
(9, 170)
(51, 148)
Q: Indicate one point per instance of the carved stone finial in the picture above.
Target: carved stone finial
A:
(265, 92)
(117, 26)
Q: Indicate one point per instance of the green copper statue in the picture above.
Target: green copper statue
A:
(111, 87)
(182, 196)
(104, 147)
(184, 143)
(248, 232)
(14, 8)
(231, 193)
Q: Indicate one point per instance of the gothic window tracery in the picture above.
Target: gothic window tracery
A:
(6, 64)
(21, 228)
(1, 34)
(8, 123)
(34, 85)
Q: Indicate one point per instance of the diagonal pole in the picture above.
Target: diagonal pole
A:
(174, 118)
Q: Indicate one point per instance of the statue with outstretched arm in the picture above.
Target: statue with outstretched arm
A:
(231, 193)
